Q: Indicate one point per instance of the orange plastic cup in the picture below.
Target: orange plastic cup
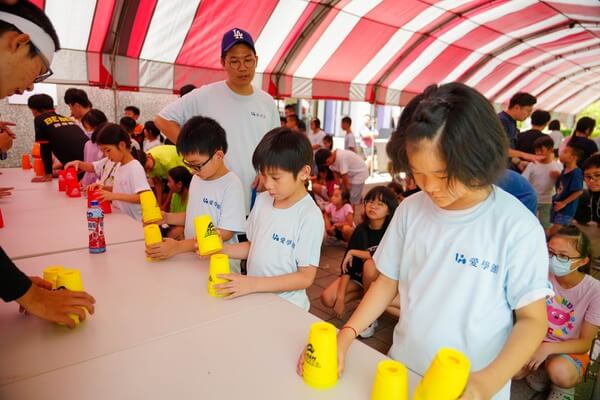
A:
(26, 162)
(36, 150)
(38, 167)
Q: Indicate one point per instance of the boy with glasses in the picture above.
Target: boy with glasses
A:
(214, 189)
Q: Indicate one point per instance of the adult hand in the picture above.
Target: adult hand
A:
(238, 285)
(161, 251)
(55, 305)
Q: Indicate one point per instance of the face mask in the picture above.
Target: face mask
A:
(560, 268)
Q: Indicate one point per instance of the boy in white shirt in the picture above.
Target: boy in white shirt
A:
(214, 189)
(542, 176)
(285, 227)
(349, 140)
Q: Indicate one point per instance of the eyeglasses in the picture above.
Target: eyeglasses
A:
(49, 72)
(198, 167)
(592, 177)
(561, 257)
(247, 62)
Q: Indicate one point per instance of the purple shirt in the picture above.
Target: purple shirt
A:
(570, 307)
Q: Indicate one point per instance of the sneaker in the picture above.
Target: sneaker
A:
(370, 331)
(538, 380)
(557, 393)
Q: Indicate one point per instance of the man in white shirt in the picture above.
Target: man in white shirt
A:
(350, 167)
(246, 113)
(316, 134)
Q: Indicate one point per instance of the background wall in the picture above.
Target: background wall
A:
(106, 100)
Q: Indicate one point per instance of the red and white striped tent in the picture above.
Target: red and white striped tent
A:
(382, 51)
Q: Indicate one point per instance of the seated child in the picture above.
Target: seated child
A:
(588, 210)
(178, 182)
(573, 318)
(358, 268)
(214, 189)
(339, 215)
(285, 227)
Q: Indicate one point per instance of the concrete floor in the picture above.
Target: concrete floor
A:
(331, 257)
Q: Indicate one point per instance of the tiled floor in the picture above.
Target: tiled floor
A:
(331, 257)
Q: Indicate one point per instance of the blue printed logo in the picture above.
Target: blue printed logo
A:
(282, 240)
(475, 262)
(258, 115)
(212, 203)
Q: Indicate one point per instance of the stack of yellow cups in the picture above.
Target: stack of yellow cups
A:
(70, 279)
(209, 241)
(391, 381)
(446, 377)
(152, 236)
(150, 209)
(320, 358)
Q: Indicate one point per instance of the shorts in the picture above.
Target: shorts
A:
(580, 361)
(560, 219)
(356, 190)
(338, 234)
(543, 214)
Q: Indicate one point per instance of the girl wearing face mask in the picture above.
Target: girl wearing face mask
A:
(561, 360)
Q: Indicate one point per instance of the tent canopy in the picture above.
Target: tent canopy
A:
(382, 51)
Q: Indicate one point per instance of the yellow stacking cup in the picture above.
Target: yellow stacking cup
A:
(320, 357)
(150, 209)
(391, 381)
(70, 279)
(208, 238)
(152, 236)
(51, 274)
(446, 377)
(219, 264)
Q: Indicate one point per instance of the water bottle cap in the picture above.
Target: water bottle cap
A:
(94, 203)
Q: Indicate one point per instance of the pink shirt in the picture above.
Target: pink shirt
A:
(570, 307)
(338, 215)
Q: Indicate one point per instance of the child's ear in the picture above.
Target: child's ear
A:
(304, 173)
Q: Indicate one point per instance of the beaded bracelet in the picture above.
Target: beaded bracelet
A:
(349, 327)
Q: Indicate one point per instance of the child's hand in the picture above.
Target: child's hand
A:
(74, 164)
(300, 363)
(161, 251)
(238, 285)
(339, 307)
(162, 221)
(538, 357)
(95, 186)
(105, 195)
(559, 205)
(346, 261)
(554, 175)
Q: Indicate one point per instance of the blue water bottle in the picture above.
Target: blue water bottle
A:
(95, 220)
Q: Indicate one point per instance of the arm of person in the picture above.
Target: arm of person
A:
(362, 254)
(80, 166)
(169, 248)
(240, 285)
(574, 346)
(512, 153)
(173, 219)
(345, 181)
(527, 334)
(340, 297)
(105, 194)
(238, 251)
(349, 219)
(6, 141)
(167, 203)
(225, 234)
(559, 205)
(328, 224)
(169, 128)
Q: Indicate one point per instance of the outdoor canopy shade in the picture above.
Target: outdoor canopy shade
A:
(381, 51)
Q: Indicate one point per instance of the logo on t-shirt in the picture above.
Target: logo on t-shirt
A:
(213, 203)
(561, 316)
(476, 262)
(282, 240)
(258, 115)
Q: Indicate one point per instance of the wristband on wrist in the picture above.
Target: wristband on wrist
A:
(351, 328)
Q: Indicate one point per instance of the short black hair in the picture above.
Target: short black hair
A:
(577, 150)
(181, 174)
(585, 125)
(284, 149)
(128, 124)
(77, 96)
(301, 125)
(322, 155)
(328, 139)
(151, 127)
(593, 161)
(113, 134)
(185, 89)
(543, 142)
(95, 119)
(466, 129)
(30, 12)
(522, 99)
(282, 119)
(540, 117)
(385, 195)
(344, 194)
(133, 109)
(40, 102)
(317, 122)
(554, 125)
(291, 107)
(201, 135)
(347, 120)
(580, 241)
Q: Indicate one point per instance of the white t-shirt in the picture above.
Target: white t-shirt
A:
(461, 274)
(283, 240)
(349, 142)
(130, 178)
(148, 144)
(316, 138)
(557, 137)
(348, 162)
(222, 199)
(106, 170)
(245, 119)
(538, 174)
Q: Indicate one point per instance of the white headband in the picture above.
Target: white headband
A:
(38, 36)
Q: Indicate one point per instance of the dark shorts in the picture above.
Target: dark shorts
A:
(559, 218)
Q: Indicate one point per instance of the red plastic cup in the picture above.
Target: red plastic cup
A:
(93, 194)
(1, 219)
(62, 181)
(38, 167)
(26, 162)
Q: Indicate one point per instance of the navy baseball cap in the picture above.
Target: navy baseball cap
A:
(233, 37)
